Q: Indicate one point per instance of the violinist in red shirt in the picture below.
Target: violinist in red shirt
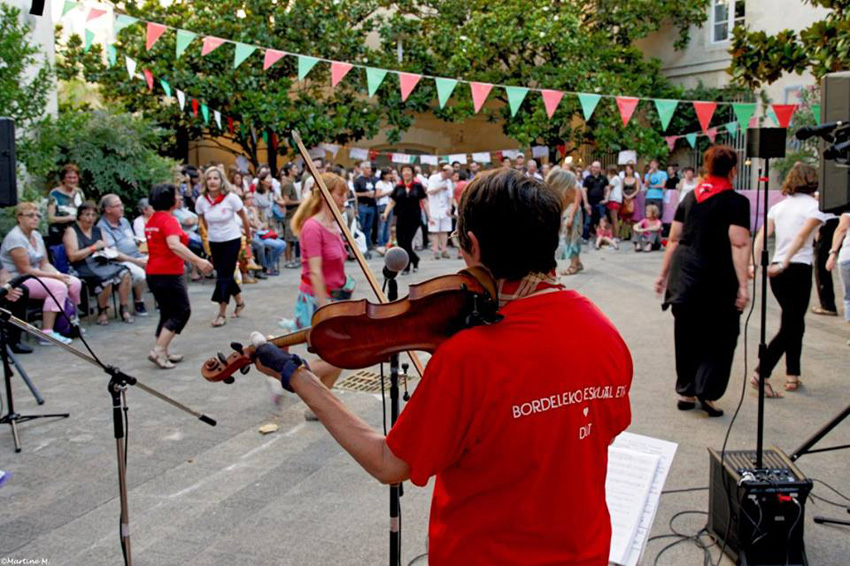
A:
(513, 419)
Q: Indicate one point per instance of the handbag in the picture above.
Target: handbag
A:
(277, 213)
(628, 206)
(343, 293)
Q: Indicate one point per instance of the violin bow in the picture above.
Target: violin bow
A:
(370, 277)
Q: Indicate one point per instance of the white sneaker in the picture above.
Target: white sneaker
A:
(56, 336)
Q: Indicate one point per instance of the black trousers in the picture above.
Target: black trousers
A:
(792, 288)
(173, 300)
(19, 310)
(823, 278)
(224, 258)
(405, 230)
(705, 347)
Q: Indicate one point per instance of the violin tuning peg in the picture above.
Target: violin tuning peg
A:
(230, 381)
(245, 369)
(221, 357)
(238, 347)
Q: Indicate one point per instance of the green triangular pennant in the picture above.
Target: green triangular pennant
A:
(242, 52)
(305, 65)
(69, 5)
(374, 78)
(122, 21)
(732, 128)
(166, 87)
(444, 89)
(666, 109)
(111, 55)
(89, 40)
(816, 111)
(744, 111)
(692, 139)
(588, 103)
(242, 131)
(516, 94)
(266, 138)
(205, 112)
(184, 38)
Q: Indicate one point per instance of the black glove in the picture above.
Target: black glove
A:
(282, 362)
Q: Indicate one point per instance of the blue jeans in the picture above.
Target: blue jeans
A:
(366, 217)
(272, 250)
(845, 279)
(384, 226)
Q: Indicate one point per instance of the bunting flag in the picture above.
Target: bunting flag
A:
(358, 154)
(666, 109)
(184, 38)
(732, 128)
(671, 142)
(111, 55)
(305, 65)
(195, 107)
(539, 151)
(516, 94)
(69, 5)
(266, 138)
(338, 71)
(374, 78)
(562, 150)
(243, 51)
(217, 116)
(242, 131)
(784, 113)
(154, 32)
(445, 87)
(771, 115)
(89, 40)
(272, 57)
(744, 111)
(205, 112)
(166, 87)
(210, 45)
(588, 104)
(551, 100)
(479, 94)
(131, 67)
(482, 157)
(94, 14)
(121, 21)
(230, 126)
(181, 99)
(148, 78)
(692, 139)
(704, 110)
(754, 122)
(274, 141)
(627, 106)
(407, 82)
(816, 111)
(712, 134)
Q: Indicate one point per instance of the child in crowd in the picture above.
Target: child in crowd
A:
(648, 230)
(605, 235)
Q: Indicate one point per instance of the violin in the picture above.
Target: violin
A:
(359, 334)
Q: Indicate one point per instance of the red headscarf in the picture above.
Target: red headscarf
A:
(711, 186)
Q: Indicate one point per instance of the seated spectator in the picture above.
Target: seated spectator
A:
(118, 234)
(145, 212)
(648, 230)
(605, 235)
(189, 224)
(16, 303)
(23, 253)
(237, 179)
(266, 246)
(84, 245)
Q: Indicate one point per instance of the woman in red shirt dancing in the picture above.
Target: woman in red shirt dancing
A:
(165, 271)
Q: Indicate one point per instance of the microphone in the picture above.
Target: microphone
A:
(822, 130)
(13, 283)
(396, 260)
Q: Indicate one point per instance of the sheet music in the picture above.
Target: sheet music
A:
(665, 451)
(627, 486)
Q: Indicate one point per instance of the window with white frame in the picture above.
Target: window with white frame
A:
(725, 15)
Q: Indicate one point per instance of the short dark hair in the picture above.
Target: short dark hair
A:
(719, 160)
(163, 197)
(88, 205)
(407, 166)
(505, 197)
(462, 175)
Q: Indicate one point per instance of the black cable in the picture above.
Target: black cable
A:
(682, 538)
(685, 490)
(791, 530)
(383, 401)
(417, 558)
(832, 489)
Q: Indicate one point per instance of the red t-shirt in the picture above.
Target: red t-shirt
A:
(515, 420)
(161, 260)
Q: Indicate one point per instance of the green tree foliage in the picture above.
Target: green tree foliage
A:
(823, 47)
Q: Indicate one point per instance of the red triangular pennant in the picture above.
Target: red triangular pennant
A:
(230, 125)
(551, 100)
(712, 134)
(562, 150)
(94, 13)
(671, 142)
(705, 110)
(148, 78)
(274, 141)
(211, 44)
(155, 31)
(272, 57)
(627, 107)
(408, 82)
(373, 154)
(784, 113)
(338, 71)
(195, 107)
(479, 94)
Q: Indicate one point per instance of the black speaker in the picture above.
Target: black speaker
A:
(766, 143)
(37, 8)
(758, 515)
(834, 178)
(8, 179)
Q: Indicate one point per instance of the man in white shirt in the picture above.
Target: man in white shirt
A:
(118, 234)
(532, 170)
(439, 210)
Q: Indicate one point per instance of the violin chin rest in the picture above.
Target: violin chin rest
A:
(230, 380)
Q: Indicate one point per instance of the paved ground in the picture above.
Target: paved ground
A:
(227, 495)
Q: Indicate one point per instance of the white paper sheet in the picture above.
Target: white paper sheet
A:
(665, 451)
(627, 486)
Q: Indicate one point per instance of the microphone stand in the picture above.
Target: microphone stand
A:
(395, 489)
(117, 388)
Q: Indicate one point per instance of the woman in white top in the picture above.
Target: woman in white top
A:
(220, 211)
(688, 183)
(840, 253)
(793, 221)
(614, 199)
(383, 189)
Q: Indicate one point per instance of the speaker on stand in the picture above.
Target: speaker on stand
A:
(8, 178)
